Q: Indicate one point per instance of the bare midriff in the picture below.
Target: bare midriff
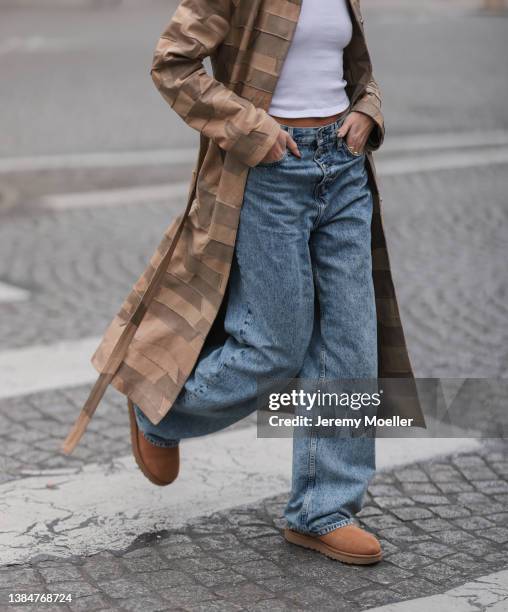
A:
(309, 121)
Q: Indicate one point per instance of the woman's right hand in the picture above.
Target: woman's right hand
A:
(284, 140)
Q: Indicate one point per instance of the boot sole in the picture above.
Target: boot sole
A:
(312, 543)
(135, 449)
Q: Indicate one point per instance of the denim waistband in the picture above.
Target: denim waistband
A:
(315, 134)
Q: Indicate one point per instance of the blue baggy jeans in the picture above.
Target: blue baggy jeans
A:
(300, 304)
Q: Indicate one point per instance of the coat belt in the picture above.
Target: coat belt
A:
(120, 349)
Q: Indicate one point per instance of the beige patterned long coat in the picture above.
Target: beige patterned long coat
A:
(152, 344)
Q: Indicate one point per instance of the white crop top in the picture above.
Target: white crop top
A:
(311, 83)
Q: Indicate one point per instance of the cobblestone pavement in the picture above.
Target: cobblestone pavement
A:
(42, 421)
(441, 524)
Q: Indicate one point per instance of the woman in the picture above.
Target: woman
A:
(269, 273)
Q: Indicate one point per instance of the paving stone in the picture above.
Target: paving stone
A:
(142, 552)
(430, 500)
(267, 542)
(77, 588)
(433, 524)
(497, 558)
(446, 474)
(124, 587)
(196, 564)
(491, 486)
(315, 597)
(271, 605)
(492, 508)
(166, 579)
(369, 598)
(91, 603)
(431, 549)
(152, 562)
(367, 511)
(143, 603)
(239, 555)
(462, 562)
(341, 581)
(410, 514)
(438, 572)
(473, 523)
(450, 511)
(243, 593)
(18, 577)
(254, 531)
(58, 573)
(455, 487)
(388, 547)
(180, 551)
(388, 574)
(220, 577)
(282, 583)
(495, 456)
(453, 537)
(411, 475)
(401, 534)
(419, 488)
(501, 467)
(409, 560)
(187, 594)
(383, 490)
(312, 568)
(477, 547)
(496, 534)
(482, 473)
(472, 499)
(219, 542)
(380, 522)
(103, 567)
(394, 502)
(499, 517)
(415, 588)
(465, 461)
(211, 606)
(257, 570)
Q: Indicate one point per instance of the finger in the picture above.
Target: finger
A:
(292, 146)
(359, 144)
(344, 128)
(353, 144)
(356, 147)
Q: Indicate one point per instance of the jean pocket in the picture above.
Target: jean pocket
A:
(350, 151)
(273, 163)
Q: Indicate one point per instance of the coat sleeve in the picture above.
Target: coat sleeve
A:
(370, 104)
(196, 30)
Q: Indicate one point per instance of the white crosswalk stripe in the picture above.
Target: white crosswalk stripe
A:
(51, 366)
(485, 593)
(10, 293)
(115, 197)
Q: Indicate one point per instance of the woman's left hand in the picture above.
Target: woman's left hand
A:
(356, 129)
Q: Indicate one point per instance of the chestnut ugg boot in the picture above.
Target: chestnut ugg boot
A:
(348, 544)
(160, 465)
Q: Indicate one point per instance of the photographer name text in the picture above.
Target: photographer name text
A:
(356, 422)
